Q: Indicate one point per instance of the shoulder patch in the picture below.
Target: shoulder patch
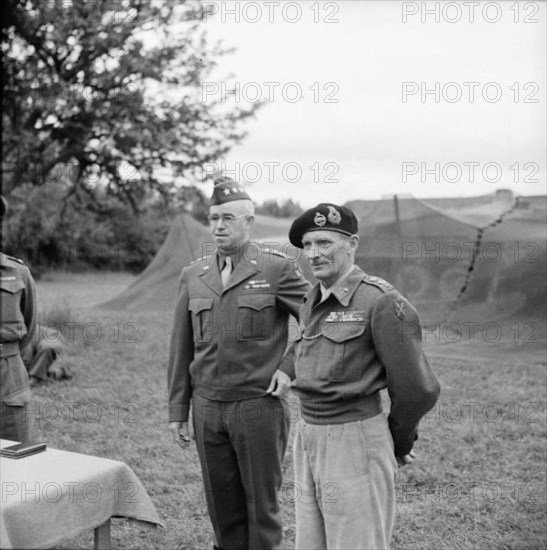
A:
(399, 309)
(384, 286)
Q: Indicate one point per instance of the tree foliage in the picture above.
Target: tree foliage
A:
(286, 209)
(103, 99)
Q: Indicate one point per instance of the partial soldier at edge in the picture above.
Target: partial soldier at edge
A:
(17, 326)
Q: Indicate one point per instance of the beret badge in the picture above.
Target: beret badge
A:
(319, 219)
(334, 216)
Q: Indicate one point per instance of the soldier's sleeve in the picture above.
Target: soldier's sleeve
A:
(287, 362)
(412, 386)
(181, 353)
(292, 287)
(28, 308)
(291, 291)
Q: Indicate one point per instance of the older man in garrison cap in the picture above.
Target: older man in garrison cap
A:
(17, 322)
(352, 343)
(229, 336)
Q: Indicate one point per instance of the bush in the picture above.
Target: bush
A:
(82, 238)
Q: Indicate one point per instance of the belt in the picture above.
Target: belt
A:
(7, 349)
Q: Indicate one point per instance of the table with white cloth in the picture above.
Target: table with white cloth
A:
(54, 495)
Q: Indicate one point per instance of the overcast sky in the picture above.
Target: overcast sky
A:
(362, 59)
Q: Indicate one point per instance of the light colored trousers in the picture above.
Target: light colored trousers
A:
(345, 485)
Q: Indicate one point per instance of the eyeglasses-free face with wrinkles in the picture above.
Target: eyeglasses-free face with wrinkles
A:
(329, 253)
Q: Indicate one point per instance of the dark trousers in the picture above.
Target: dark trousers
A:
(14, 422)
(241, 446)
(41, 362)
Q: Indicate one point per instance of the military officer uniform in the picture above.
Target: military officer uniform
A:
(18, 308)
(226, 344)
(359, 337)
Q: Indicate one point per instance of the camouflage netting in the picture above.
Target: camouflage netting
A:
(453, 258)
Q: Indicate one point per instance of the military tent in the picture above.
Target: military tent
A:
(447, 255)
(487, 252)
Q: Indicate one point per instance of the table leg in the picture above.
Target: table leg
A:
(102, 536)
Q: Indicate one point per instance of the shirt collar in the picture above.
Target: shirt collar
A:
(236, 257)
(336, 288)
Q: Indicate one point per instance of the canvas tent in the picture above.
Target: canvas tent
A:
(444, 254)
(156, 286)
(488, 251)
(188, 240)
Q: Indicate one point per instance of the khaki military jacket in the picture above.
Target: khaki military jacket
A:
(17, 322)
(227, 342)
(363, 338)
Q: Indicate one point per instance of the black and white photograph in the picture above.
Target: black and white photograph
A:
(273, 275)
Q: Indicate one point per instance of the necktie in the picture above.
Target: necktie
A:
(226, 271)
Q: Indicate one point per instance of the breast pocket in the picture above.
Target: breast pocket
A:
(341, 352)
(202, 318)
(10, 300)
(255, 316)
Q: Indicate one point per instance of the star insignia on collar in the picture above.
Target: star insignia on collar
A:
(226, 191)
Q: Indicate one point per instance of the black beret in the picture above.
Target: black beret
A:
(226, 190)
(324, 217)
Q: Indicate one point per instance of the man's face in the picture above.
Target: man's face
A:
(330, 254)
(230, 225)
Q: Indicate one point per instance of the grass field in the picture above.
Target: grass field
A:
(479, 481)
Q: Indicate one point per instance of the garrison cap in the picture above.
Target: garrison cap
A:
(3, 206)
(324, 217)
(226, 190)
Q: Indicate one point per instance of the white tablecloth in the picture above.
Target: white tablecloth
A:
(55, 495)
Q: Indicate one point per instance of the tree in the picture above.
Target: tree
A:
(286, 209)
(105, 97)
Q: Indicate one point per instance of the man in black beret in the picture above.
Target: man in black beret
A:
(17, 325)
(229, 336)
(352, 343)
